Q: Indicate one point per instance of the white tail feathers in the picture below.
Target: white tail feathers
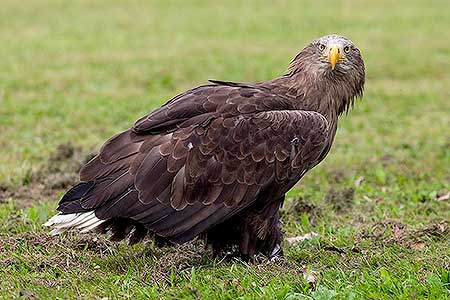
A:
(84, 221)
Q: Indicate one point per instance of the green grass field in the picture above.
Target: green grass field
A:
(74, 73)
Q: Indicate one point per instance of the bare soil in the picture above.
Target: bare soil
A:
(57, 174)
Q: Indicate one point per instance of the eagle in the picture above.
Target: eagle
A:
(216, 161)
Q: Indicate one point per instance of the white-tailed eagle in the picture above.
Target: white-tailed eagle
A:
(217, 160)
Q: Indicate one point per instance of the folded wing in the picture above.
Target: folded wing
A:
(198, 160)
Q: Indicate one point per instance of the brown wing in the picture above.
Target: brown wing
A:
(198, 160)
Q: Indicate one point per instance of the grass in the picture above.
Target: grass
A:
(79, 72)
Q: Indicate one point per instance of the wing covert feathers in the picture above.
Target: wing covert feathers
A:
(193, 163)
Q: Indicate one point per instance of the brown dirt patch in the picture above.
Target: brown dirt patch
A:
(341, 200)
(299, 206)
(267, 269)
(40, 253)
(58, 173)
(337, 175)
(387, 160)
(178, 258)
(182, 258)
(40, 250)
(390, 232)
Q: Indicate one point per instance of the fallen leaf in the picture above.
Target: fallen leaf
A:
(359, 181)
(398, 231)
(418, 246)
(367, 198)
(310, 276)
(443, 226)
(237, 284)
(441, 196)
(301, 238)
(385, 189)
(379, 200)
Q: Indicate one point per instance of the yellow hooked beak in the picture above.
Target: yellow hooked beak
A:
(334, 55)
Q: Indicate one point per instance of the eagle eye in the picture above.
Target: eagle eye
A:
(347, 49)
(321, 47)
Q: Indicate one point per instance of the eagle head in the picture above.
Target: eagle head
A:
(333, 65)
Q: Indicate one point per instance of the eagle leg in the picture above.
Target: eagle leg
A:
(254, 231)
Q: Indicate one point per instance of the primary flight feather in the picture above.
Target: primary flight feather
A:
(217, 160)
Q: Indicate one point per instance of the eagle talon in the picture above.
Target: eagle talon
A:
(277, 253)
